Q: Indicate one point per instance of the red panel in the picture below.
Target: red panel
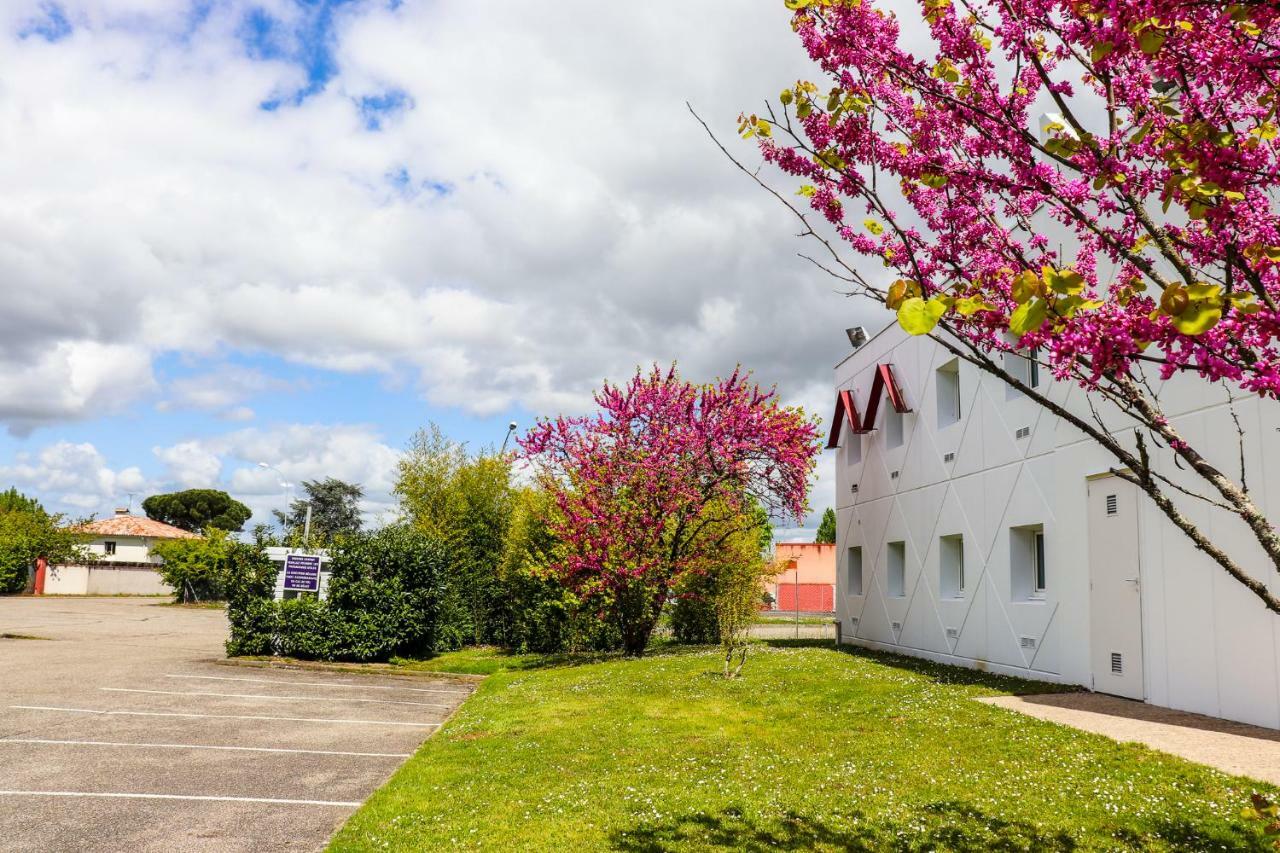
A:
(814, 597)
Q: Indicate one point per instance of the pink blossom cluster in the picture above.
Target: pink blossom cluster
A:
(635, 482)
(1133, 142)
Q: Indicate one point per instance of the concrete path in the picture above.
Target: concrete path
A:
(1235, 748)
(122, 732)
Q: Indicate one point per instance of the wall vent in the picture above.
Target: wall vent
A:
(893, 475)
(1027, 642)
(897, 628)
(853, 624)
(1117, 663)
(953, 633)
(1112, 505)
(948, 457)
(853, 489)
(1023, 432)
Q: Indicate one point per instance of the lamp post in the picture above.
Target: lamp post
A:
(511, 428)
(284, 484)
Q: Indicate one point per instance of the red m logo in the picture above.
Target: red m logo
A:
(883, 381)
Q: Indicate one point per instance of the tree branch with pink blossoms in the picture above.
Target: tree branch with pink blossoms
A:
(640, 483)
(1091, 183)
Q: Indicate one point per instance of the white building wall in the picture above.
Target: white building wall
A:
(129, 549)
(1209, 646)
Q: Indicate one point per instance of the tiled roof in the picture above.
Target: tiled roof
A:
(132, 525)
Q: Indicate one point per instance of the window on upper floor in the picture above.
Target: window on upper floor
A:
(108, 548)
(853, 571)
(947, 382)
(893, 431)
(851, 447)
(1024, 368)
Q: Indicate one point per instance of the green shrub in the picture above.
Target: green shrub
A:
(383, 599)
(28, 532)
(248, 583)
(693, 612)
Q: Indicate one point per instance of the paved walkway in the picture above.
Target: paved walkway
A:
(122, 732)
(1235, 748)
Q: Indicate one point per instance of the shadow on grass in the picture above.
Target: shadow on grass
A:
(939, 673)
(939, 826)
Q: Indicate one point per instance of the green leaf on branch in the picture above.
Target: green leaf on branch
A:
(1151, 41)
(1063, 281)
(1101, 51)
(918, 317)
(1029, 317)
(1199, 317)
(969, 305)
(873, 226)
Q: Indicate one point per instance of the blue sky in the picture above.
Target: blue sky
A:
(296, 232)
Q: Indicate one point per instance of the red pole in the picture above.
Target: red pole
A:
(41, 565)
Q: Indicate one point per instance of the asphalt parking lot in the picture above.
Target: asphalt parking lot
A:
(120, 731)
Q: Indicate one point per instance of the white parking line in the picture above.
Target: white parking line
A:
(3, 741)
(200, 797)
(461, 692)
(266, 696)
(221, 716)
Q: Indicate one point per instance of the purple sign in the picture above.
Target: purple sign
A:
(302, 572)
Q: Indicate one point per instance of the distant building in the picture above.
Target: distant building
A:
(123, 562)
(809, 576)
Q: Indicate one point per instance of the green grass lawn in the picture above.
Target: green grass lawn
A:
(816, 748)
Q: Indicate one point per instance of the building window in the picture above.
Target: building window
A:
(1024, 368)
(1039, 585)
(947, 381)
(1028, 562)
(892, 427)
(951, 566)
(109, 548)
(853, 571)
(896, 578)
(852, 449)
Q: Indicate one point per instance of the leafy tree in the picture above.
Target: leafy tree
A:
(196, 509)
(197, 569)
(827, 528)
(27, 532)
(335, 509)
(1131, 234)
(467, 502)
(15, 501)
(633, 484)
(694, 610)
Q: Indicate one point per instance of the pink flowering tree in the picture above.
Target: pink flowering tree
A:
(1088, 183)
(649, 487)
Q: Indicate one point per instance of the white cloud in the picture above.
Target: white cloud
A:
(588, 224)
(74, 477)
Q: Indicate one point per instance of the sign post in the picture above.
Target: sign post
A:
(302, 572)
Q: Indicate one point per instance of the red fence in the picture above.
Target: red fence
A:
(814, 597)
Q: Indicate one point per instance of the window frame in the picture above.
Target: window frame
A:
(849, 574)
(1039, 565)
(890, 550)
(952, 412)
(109, 548)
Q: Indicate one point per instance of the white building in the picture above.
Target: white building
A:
(976, 529)
(124, 564)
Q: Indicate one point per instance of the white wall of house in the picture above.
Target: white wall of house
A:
(1201, 642)
(104, 579)
(127, 549)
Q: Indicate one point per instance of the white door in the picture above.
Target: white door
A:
(1115, 588)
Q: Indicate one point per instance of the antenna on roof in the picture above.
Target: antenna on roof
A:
(131, 495)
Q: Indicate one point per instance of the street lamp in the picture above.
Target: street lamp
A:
(284, 484)
(511, 427)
